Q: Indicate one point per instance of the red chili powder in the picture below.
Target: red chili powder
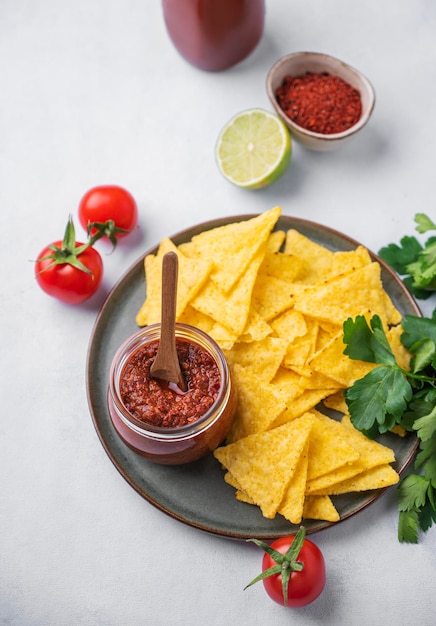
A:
(320, 102)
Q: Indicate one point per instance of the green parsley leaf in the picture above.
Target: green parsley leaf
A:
(414, 261)
(399, 257)
(424, 223)
(381, 396)
(425, 351)
(426, 425)
(366, 343)
(427, 515)
(412, 492)
(408, 525)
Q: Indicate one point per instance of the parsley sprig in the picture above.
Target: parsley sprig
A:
(414, 261)
(390, 395)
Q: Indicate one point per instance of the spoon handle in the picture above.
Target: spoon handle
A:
(166, 364)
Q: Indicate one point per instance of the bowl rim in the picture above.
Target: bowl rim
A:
(363, 120)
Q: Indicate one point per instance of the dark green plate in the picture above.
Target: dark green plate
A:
(196, 494)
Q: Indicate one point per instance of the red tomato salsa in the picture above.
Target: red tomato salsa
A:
(163, 404)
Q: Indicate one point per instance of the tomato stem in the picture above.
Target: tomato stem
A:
(69, 252)
(286, 563)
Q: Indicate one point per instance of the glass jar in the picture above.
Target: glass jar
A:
(214, 34)
(175, 445)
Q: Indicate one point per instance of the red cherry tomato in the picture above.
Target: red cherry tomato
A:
(293, 570)
(109, 202)
(304, 586)
(68, 270)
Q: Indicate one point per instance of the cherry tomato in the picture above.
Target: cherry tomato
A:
(109, 203)
(68, 270)
(299, 571)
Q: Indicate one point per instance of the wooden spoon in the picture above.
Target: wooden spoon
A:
(166, 365)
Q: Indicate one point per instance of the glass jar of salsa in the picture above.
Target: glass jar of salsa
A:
(214, 34)
(157, 419)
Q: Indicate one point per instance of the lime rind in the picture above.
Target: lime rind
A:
(253, 149)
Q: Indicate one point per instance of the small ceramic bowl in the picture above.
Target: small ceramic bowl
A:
(299, 63)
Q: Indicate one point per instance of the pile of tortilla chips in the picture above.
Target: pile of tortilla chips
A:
(275, 302)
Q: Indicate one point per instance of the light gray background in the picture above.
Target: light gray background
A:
(93, 92)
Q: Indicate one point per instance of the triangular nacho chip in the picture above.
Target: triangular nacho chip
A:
(258, 405)
(233, 246)
(263, 464)
(292, 504)
(346, 296)
(320, 507)
(328, 449)
(192, 275)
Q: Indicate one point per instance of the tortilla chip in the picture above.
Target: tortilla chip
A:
(264, 463)
(233, 246)
(289, 325)
(332, 362)
(302, 348)
(279, 265)
(301, 404)
(336, 402)
(401, 353)
(258, 405)
(346, 296)
(275, 240)
(271, 296)
(378, 477)
(192, 275)
(320, 507)
(349, 261)
(230, 309)
(255, 329)
(329, 450)
(262, 357)
(317, 259)
(292, 504)
(371, 454)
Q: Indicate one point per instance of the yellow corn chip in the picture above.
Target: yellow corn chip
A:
(230, 309)
(293, 502)
(378, 477)
(280, 265)
(192, 275)
(401, 352)
(263, 464)
(370, 454)
(302, 347)
(346, 262)
(346, 296)
(289, 325)
(329, 450)
(271, 296)
(336, 402)
(275, 240)
(320, 507)
(233, 246)
(301, 404)
(262, 357)
(332, 362)
(317, 259)
(258, 405)
(255, 329)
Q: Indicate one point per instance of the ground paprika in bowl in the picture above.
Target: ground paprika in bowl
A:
(158, 420)
(323, 101)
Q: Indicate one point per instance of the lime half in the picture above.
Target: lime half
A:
(253, 149)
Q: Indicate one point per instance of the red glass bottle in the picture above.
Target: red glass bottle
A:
(214, 34)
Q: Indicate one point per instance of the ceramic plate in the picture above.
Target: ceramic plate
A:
(196, 494)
